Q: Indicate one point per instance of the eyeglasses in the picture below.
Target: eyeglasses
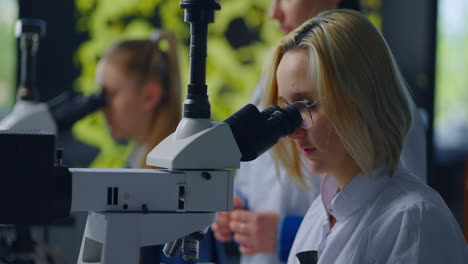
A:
(305, 109)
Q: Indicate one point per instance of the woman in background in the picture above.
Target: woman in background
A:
(143, 89)
(142, 84)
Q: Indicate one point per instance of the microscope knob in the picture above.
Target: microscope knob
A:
(59, 156)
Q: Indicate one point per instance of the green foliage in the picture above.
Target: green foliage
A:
(8, 16)
(372, 10)
(451, 72)
(232, 74)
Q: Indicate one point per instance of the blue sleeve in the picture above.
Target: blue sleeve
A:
(244, 198)
(288, 227)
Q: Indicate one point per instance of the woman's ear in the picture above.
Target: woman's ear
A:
(152, 94)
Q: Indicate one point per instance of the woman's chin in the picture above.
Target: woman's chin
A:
(316, 167)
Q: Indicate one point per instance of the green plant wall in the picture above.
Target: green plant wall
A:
(8, 17)
(451, 97)
(372, 10)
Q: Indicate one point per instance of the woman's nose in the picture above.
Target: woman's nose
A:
(275, 11)
(298, 133)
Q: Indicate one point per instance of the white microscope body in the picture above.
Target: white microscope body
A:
(132, 208)
(28, 114)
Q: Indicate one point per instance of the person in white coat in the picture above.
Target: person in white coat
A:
(338, 70)
(268, 211)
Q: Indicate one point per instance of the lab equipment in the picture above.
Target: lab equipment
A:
(29, 112)
(132, 208)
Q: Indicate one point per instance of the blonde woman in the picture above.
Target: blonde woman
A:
(357, 110)
(142, 84)
(268, 211)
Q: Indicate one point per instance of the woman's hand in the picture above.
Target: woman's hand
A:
(255, 232)
(220, 227)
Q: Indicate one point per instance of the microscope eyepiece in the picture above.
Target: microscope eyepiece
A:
(255, 132)
(70, 107)
(267, 112)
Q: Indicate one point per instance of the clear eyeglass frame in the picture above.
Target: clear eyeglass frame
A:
(306, 108)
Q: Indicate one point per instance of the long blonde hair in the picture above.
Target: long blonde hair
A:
(359, 88)
(146, 61)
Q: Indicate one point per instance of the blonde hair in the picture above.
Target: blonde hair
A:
(359, 88)
(144, 61)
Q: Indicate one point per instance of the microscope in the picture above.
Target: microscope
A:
(132, 208)
(29, 113)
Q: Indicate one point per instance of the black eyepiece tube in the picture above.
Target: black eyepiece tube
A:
(256, 132)
(199, 13)
(69, 107)
(29, 31)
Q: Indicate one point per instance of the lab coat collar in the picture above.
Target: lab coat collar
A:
(355, 195)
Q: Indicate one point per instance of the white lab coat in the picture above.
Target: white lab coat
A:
(413, 154)
(381, 219)
(258, 182)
